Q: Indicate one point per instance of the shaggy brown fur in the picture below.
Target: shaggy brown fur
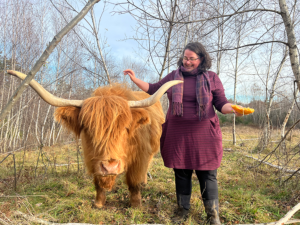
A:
(110, 130)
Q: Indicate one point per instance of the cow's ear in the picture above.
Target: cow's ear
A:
(139, 117)
(68, 117)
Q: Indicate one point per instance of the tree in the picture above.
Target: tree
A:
(44, 57)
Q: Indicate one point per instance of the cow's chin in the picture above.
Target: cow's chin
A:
(108, 168)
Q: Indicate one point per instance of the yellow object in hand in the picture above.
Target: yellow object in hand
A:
(244, 111)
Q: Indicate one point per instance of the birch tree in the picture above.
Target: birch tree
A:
(57, 38)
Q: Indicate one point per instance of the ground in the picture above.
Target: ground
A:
(64, 193)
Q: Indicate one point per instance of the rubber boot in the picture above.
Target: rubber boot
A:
(212, 211)
(183, 209)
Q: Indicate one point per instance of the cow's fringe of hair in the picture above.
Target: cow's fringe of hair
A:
(105, 119)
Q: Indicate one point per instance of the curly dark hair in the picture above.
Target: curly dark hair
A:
(199, 49)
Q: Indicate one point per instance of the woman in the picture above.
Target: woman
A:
(191, 137)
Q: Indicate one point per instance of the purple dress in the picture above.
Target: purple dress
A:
(186, 142)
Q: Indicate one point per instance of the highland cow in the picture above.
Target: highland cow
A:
(119, 129)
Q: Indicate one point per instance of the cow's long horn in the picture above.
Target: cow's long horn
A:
(155, 97)
(49, 98)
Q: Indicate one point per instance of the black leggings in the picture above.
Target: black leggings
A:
(207, 179)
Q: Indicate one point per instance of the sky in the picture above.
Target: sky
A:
(115, 28)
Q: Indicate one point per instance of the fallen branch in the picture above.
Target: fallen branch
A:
(291, 128)
(289, 215)
(59, 165)
(67, 164)
(278, 167)
(40, 221)
(23, 196)
(242, 139)
(19, 149)
(3, 222)
(273, 223)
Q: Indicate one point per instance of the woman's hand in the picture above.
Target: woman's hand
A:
(141, 84)
(131, 74)
(236, 113)
(227, 109)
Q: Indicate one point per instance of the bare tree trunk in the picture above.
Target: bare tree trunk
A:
(236, 76)
(220, 40)
(2, 99)
(28, 130)
(292, 42)
(99, 47)
(171, 25)
(288, 115)
(187, 25)
(235, 84)
(271, 97)
(266, 127)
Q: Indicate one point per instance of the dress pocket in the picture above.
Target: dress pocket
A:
(215, 127)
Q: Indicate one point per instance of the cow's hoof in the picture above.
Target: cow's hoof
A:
(136, 204)
(97, 205)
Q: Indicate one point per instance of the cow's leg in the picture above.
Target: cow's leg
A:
(100, 194)
(101, 184)
(135, 176)
(135, 196)
(134, 180)
(146, 173)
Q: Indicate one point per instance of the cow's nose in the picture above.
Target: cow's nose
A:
(110, 166)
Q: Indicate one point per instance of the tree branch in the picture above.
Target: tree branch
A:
(243, 46)
(196, 21)
(57, 38)
(288, 215)
(278, 143)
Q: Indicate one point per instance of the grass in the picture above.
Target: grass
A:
(64, 194)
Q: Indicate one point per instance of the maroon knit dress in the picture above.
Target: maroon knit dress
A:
(187, 142)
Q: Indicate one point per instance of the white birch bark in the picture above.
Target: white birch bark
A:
(187, 25)
(266, 127)
(283, 125)
(171, 25)
(99, 47)
(292, 42)
(220, 39)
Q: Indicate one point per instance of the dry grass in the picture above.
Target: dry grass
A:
(64, 194)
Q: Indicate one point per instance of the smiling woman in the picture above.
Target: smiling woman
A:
(191, 138)
(191, 60)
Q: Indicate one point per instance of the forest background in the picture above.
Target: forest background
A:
(247, 40)
(253, 45)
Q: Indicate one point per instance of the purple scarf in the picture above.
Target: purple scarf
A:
(202, 92)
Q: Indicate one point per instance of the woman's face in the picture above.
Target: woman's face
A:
(190, 60)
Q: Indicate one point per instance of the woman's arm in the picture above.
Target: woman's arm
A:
(140, 83)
